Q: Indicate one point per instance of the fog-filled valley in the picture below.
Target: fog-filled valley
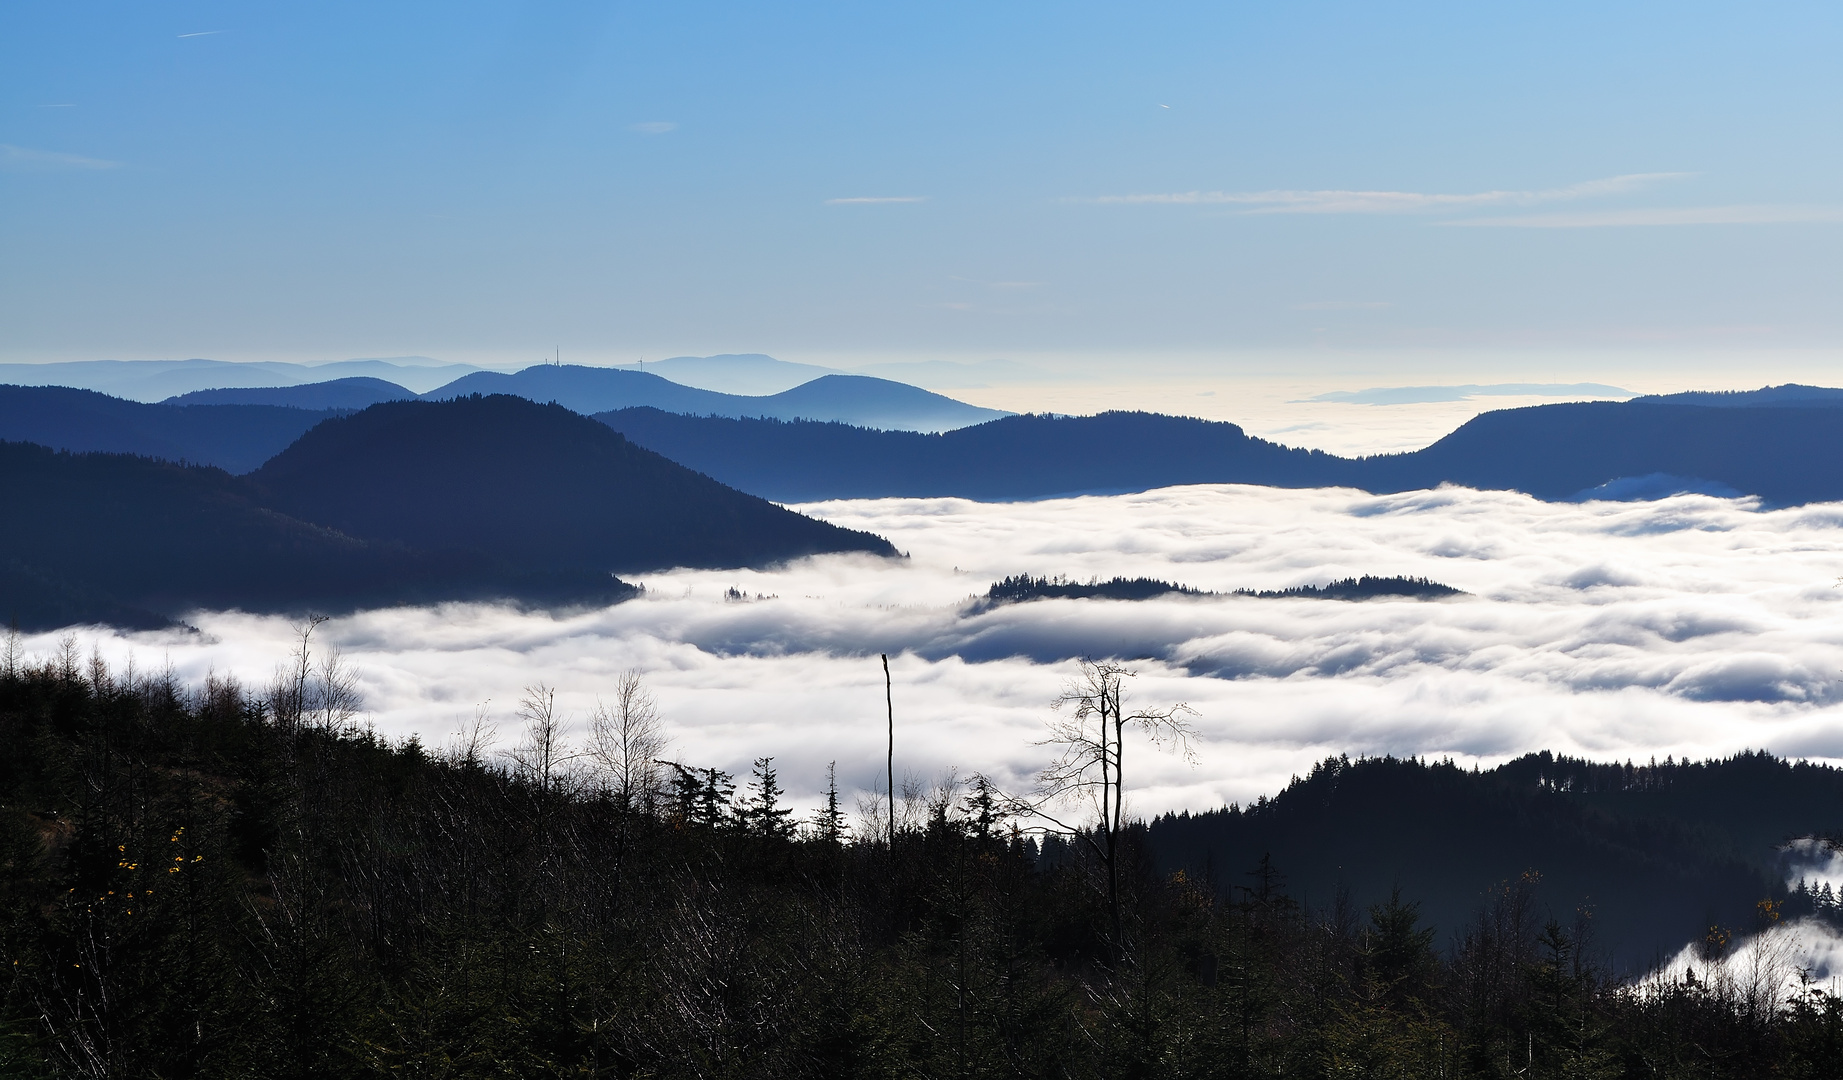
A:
(1690, 626)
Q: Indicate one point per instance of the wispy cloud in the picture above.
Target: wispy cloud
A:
(25, 159)
(653, 127)
(201, 33)
(1663, 215)
(867, 200)
(1337, 201)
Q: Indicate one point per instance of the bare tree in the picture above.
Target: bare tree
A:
(625, 741)
(336, 699)
(289, 689)
(1090, 727)
(475, 738)
(542, 758)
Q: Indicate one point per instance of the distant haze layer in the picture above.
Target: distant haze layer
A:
(1688, 626)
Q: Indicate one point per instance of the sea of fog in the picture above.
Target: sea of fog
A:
(1692, 626)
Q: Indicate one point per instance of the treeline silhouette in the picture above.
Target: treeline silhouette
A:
(1020, 587)
(213, 882)
(1357, 588)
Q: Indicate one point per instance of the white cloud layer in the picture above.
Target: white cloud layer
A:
(1691, 626)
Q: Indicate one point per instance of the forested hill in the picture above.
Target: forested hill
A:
(1657, 853)
(133, 542)
(536, 485)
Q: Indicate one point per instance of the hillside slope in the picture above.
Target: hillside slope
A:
(535, 485)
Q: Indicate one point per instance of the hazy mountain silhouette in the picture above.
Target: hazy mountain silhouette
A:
(536, 486)
(854, 399)
(236, 438)
(1623, 449)
(358, 392)
(1657, 853)
(736, 373)
(133, 542)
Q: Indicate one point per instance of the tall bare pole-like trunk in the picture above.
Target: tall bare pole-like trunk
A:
(889, 705)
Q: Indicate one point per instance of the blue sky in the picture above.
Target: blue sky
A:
(316, 181)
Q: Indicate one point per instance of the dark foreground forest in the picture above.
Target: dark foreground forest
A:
(208, 881)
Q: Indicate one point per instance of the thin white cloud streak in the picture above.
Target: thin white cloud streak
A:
(25, 159)
(201, 33)
(1663, 215)
(1693, 626)
(872, 200)
(1391, 202)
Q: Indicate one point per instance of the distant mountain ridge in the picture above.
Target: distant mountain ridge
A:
(856, 399)
(1784, 455)
(358, 392)
(158, 380)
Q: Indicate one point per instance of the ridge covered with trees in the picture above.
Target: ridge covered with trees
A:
(214, 882)
(410, 502)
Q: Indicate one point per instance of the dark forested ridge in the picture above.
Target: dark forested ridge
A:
(1785, 455)
(535, 485)
(236, 438)
(204, 882)
(1657, 853)
(1018, 457)
(412, 502)
(133, 542)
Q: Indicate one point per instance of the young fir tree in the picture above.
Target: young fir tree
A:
(761, 812)
(829, 823)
